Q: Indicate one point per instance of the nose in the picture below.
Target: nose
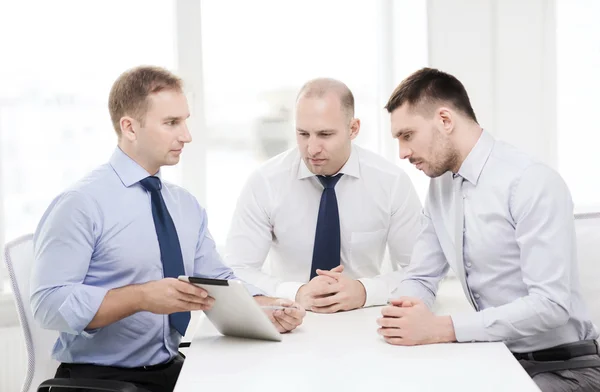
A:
(405, 152)
(314, 147)
(186, 136)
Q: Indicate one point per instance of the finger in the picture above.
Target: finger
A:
(394, 311)
(295, 313)
(326, 279)
(185, 306)
(277, 323)
(327, 309)
(327, 301)
(287, 321)
(396, 341)
(189, 288)
(194, 299)
(410, 300)
(331, 274)
(339, 268)
(326, 290)
(391, 332)
(388, 322)
(284, 302)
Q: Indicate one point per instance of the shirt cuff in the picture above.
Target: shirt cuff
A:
(288, 290)
(253, 290)
(469, 327)
(377, 291)
(80, 307)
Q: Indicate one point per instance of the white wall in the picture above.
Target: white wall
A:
(504, 53)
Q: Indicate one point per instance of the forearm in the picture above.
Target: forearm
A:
(526, 316)
(118, 304)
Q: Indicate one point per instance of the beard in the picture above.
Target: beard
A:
(445, 156)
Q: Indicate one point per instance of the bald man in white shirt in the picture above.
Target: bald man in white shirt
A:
(325, 210)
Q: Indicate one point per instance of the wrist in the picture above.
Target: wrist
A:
(445, 330)
(140, 293)
(263, 300)
(299, 293)
(362, 296)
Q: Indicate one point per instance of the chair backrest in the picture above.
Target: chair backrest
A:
(587, 228)
(39, 342)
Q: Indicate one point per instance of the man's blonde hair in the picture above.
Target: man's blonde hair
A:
(129, 93)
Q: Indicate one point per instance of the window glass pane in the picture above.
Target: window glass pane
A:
(578, 62)
(256, 57)
(54, 121)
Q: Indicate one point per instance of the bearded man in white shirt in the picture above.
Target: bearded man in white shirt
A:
(504, 223)
(325, 210)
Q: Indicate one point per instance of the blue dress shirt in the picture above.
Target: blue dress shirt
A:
(99, 235)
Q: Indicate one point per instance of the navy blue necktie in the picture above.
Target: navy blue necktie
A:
(168, 241)
(326, 252)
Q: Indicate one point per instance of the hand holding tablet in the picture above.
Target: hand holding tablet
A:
(236, 313)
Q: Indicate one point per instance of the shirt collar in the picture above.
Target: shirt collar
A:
(128, 170)
(350, 168)
(474, 163)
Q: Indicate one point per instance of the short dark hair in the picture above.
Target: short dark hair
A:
(129, 93)
(427, 87)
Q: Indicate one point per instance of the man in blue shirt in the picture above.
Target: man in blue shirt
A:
(108, 250)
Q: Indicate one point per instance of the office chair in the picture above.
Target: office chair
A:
(587, 229)
(38, 341)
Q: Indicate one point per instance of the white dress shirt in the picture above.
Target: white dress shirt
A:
(505, 225)
(277, 212)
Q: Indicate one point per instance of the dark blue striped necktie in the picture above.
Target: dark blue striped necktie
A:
(168, 241)
(326, 251)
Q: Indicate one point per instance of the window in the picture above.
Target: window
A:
(578, 61)
(258, 54)
(54, 121)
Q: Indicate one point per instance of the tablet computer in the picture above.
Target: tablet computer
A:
(235, 312)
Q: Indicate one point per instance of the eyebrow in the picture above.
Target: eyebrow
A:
(171, 118)
(399, 132)
(319, 131)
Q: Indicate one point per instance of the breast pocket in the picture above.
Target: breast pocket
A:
(367, 249)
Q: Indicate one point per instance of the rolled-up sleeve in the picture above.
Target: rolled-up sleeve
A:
(63, 248)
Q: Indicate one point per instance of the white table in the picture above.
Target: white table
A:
(343, 352)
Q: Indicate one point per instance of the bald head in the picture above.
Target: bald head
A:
(319, 88)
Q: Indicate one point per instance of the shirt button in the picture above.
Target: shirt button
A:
(469, 265)
(464, 229)
(477, 296)
(464, 196)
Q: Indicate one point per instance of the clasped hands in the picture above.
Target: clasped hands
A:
(331, 291)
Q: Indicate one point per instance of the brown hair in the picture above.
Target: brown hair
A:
(129, 93)
(428, 87)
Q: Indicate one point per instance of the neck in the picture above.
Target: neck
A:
(466, 140)
(131, 153)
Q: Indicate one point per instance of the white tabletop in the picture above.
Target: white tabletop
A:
(343, 352)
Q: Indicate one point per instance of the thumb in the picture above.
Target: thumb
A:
(339, 268)
(284, 302)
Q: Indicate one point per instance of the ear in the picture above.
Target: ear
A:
(445, 116)
(129, 128)
(354, 128)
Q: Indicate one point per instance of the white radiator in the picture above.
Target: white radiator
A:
(13, 359)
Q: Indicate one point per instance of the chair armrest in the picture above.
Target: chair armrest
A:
(96, 385)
